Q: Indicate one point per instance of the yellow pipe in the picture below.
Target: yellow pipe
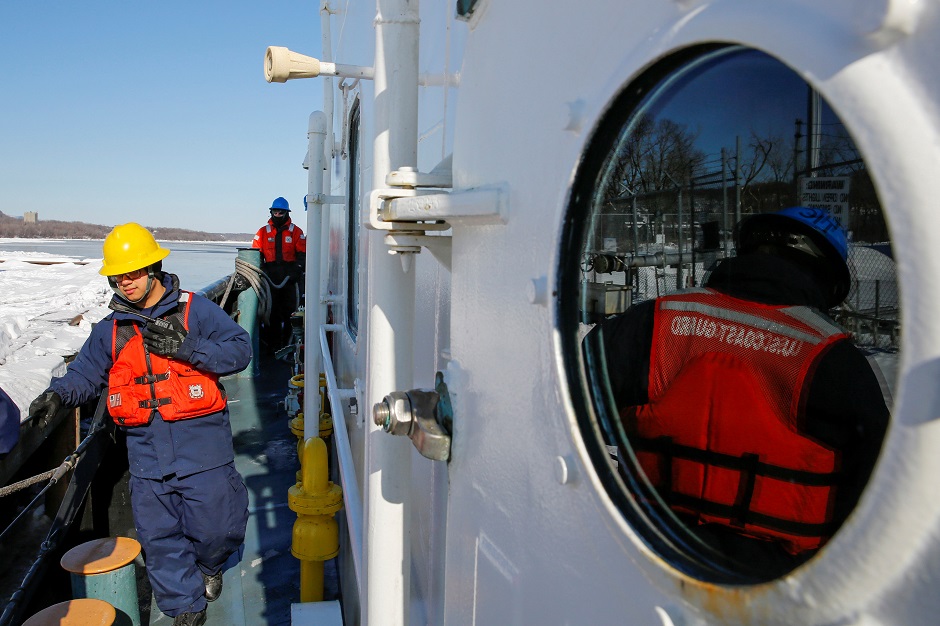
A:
(315, 499)
(311, 581)
(296, 424)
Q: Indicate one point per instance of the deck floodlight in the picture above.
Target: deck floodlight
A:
(281, 65)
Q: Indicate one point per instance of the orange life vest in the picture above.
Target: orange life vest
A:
(142, 384)
(721, 436)
(292, 242)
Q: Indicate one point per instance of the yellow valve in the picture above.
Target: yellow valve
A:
(326, 425)
(324, 396)
(296, 426)
(315, 499)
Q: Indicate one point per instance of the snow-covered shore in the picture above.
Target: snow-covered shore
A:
(48, 304)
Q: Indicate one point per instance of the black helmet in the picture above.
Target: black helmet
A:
(808, 235)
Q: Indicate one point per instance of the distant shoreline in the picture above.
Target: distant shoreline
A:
(15, 239)
(16, 228)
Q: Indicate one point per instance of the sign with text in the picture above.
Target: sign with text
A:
(827, 192)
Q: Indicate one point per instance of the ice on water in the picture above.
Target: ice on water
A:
(46, 313)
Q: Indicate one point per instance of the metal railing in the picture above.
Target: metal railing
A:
(83, 463)
(352, 501)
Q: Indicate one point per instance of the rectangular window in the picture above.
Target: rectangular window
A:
(352, 226)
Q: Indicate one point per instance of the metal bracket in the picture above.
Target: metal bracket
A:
(381, 219)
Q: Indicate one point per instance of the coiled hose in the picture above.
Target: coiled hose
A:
(260, 283)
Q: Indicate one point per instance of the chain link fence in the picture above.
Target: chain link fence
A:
(652, 244)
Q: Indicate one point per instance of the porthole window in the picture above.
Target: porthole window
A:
(730, 314)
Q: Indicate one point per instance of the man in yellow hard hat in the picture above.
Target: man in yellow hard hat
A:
(159, 356)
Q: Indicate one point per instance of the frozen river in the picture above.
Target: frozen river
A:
(198, 264)
(47, 308)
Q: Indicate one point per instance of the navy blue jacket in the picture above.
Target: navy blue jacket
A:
(9, 423)
(215, 344)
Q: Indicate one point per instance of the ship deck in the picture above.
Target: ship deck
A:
(261, 589)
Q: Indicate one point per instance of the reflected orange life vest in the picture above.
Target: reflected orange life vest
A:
(142, 384)
(721, 436)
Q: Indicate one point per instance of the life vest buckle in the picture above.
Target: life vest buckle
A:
(150, 379)
(153, 403)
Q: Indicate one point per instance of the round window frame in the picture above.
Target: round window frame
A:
(662, 534)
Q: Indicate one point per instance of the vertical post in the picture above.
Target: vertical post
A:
(636, 225)
(877, 310)
(248, 311)
(724, 202)
(797, 135)
(314, 311)
(692, 223)
(391, 320)
(737, 180)
(813, 132)
(680, 236)
(328, 147)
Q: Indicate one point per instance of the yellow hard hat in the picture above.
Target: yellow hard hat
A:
(130, 247)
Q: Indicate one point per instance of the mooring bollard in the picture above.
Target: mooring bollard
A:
(104, 569)
(80, 612)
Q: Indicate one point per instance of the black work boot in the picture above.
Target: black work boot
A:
(213, 585)
(190, 619)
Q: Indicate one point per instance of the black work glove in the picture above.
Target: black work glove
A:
(45, 407)
(163, 340)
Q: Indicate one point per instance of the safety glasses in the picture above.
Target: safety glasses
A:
(784, 238)
(117, 278)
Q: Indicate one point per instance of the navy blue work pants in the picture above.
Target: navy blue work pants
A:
(187, 527)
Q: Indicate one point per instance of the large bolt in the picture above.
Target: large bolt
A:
(380, 414)
(394, 413)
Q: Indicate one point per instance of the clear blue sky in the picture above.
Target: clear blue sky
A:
(154, 112)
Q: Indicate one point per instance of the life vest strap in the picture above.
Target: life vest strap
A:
(749, 465)
(149, 379)
(715, 509)
(153, 403)
(666, 447)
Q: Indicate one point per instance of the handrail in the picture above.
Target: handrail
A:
(352, 501)
(84, 461)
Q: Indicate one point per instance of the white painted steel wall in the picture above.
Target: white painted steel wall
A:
(531, 536)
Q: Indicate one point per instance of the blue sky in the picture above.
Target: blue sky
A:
(153, 112)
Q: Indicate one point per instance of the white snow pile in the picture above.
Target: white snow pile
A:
(48, 304)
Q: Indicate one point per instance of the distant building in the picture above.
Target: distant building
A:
(30, 217)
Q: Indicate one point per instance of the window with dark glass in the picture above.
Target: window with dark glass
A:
(730, 356)
(352, 225)
(465, 8)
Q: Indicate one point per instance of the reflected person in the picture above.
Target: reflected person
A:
(753, 414)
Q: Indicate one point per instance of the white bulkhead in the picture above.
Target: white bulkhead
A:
(519, 526)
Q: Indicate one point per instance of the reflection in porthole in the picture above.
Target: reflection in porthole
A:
(731, 314)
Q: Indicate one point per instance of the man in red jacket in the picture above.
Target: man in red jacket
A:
(283, 257)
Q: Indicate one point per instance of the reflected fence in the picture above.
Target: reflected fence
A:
(638, 254)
